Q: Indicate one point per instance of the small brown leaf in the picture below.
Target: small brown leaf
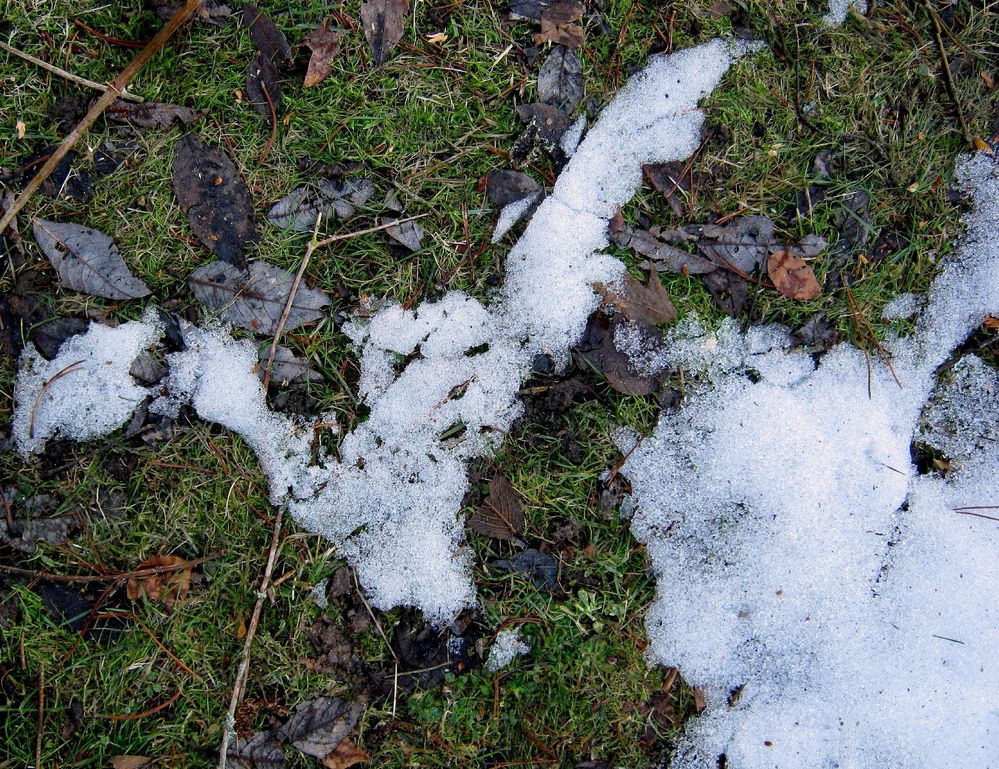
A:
(644, 303)
(991, 322)
(987, 78)
(346, 755)
(171, 587)
(500, 515)
(557, 25)
(720, 9)
(699, 702)
(325, 45)
(319, 726)
(131, 762)
(384, 21)
(792, 276)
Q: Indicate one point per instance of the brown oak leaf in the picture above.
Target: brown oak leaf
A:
(792, 276)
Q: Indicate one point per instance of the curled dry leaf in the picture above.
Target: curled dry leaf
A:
(170, 587)
(87, 260)
(215, 198)
(560, 81)
(324, 43)
(254, 298)
(792, 276)
(500, 516)
(557, 25)
(384, 21)
(152, 114)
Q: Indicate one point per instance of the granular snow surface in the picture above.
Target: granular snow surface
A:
(840, 9)
(805, 565)
(506, 647)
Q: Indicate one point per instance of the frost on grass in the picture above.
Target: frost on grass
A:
(506, 647)
(86, 391)
(803, 562)
(840, 9)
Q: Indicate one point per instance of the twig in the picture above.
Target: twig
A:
(948, 77)
(106, 577)
(109, 38)
(270, 106)
(112, 92)
(368, 231)
(41, 716)
(41, 392)
(63, 73)
(136, 716)
(239, 686)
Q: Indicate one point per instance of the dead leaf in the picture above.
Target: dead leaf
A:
(551, 122)
(87, 260)
(987, 78)
(170, 587)
(500, 516)
(324, 43)
(215, 198)
(560, 81)
(673, 180)
(529, 9)
(152, 114)
(792, 276)
(214, 13)
(409, 234)
(346, 755)
(508, 186)
(254, 298)
(333, 198)
(598, 347)
(49, 336)
(384, 21)
(287, 367)
(260, 751)
(318, 726)
(700, 703)
(991, 322)
(262, 81)
(131, 762)
(720, 9)
(648, 304)
(557, 25)
(661, 255)
(267, 38)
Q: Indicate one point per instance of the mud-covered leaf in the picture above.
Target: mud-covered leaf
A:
(267, 38)
(324, 42)
(87, 260)
(551, 122)
(152, 114)
(215, 13)
(170, 587)
(21, 311)
(383, 21)
(508, 186)
(48, 337)
(332, 197)
(261, 750)
(215, 198)
(598, 347)
(407, 234)
(560, 81)
(636, 301)
(287, 367)
(558, 24)
(254, 298)
(540, 568)
(500, 515)
(263, 82)
(792, 276)
(346, 755)
(318, 726)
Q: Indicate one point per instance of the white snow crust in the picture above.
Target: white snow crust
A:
(802, 561)
(840, 9)
(506, 647)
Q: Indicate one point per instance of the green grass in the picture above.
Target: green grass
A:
(429, 125)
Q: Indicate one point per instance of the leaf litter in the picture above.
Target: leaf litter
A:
(333, 198)
(383, 22)
(501, 515)
(324, 42)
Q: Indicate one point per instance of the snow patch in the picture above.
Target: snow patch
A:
(840, 9)
(506, 647)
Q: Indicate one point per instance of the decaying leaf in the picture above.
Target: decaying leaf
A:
(259, 751)
(508, 186)
(540, 568)
(648, 304)
(263, 82)
(384, 21)
(557, 24)
(215, 198)
(408, 234)
(560, 81)
(170, 587)
(529, 9)
(318, 726)
(346, 755)
(215, 13)
(131, 762)
(551, 122)
(332, 197)
(87, 260)
(673, 180)
(792, 276)
(287, 367)
(598, 347)
(267, 38)
(49, 336)
(152, 114)
(254, 298)
(662, 256)
(500, 516)
(324, 42)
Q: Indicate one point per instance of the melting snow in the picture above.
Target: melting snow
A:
(839, 9)
(506, 647)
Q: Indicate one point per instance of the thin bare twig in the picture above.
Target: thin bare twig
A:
(136, 716)
(948, 77)
(368, 231)
(64, 73)
(265, 153)
(111, 92)
(44, 388)
(32, 574)
(242, 673)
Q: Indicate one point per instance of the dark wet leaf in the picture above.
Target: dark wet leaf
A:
(215, 198)
(87, 260)
(730, 291)
(20, 311)
(267, 38)
(507, 186)
(853, 222)
(742, 244)
(649, 304)
(720, 9)
(560, 81)
(817, 334)
(550, 121)
(673, 180)
(540, 568)
(661, 255)
(109, 157)
(408, 234)
(529, 9)
(557, 24)
(287, 367)
(324, 43)
(48, 337)
(254, 298)
(792, 276)
(262, 81)
(66, 605)
(597, 346)
(427, 655)
(259, 751)
(500, 516)
(383, 21)
(151, 114)
(147, 369)
(318, 726)
(332, 197)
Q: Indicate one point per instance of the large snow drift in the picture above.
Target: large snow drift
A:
(830, 600)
